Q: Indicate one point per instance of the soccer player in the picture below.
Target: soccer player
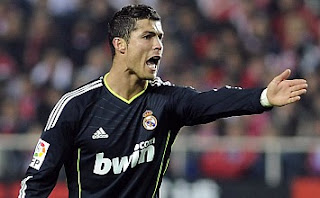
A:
(114, 134)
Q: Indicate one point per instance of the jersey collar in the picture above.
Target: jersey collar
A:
(120, 97)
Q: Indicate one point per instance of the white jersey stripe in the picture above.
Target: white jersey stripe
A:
(64, 97)
(158, 82)
(56, 112)
(67, 100)
(22, 192)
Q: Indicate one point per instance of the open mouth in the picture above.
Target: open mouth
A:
(153, 62)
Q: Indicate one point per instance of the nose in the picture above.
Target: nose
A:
(158, 45)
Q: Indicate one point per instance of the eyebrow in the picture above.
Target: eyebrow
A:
(153, 33)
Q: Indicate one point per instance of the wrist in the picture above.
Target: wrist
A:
(264, 99)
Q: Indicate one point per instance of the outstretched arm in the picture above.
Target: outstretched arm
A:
(282, 91)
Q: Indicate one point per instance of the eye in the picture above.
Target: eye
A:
(147, 37)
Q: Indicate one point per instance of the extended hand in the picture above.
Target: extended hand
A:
(282, 91)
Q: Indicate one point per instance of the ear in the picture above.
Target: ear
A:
(119, 44)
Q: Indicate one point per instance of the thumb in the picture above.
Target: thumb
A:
(283, 76)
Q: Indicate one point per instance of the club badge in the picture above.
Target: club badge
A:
(149, 121)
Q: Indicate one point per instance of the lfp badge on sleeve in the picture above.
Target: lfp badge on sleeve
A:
(39, 154)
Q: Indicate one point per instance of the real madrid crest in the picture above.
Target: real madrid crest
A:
(149, 121)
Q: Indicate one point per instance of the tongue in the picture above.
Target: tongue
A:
(151, 65)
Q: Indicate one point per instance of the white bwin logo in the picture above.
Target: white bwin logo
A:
(143, 152)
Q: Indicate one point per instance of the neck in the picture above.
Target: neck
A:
(124, 84)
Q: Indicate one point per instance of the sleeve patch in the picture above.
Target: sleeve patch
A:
(39, 154)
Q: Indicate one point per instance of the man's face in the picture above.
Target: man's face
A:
(145, 49)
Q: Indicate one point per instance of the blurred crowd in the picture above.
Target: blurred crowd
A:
(48, 47)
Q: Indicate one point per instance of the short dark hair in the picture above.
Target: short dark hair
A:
(124, 21)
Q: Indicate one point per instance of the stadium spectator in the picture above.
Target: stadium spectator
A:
(231, 164)
(54, 69)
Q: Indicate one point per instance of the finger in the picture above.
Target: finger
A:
(283, 76)
(297, 82)
(298, 87)
(294, 99)
(298, 93)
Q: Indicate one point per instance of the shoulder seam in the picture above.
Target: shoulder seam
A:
(57, 110)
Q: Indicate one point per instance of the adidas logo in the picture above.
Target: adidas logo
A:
(100, 133)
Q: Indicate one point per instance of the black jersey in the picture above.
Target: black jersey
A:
(112, 147)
